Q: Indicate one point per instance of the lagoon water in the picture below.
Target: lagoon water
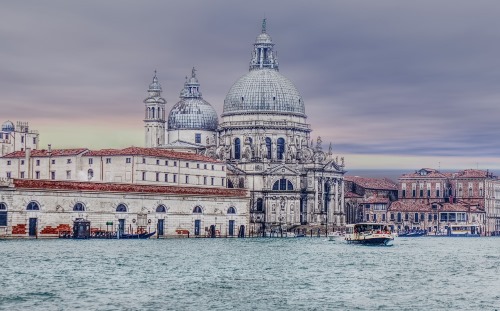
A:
(427, 273)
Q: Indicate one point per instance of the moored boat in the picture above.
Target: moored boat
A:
(460, 231)
(369, 233)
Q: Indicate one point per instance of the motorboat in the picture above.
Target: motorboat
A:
(336, 236)
(369, 233)
(460, 230)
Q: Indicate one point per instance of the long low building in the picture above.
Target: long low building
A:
(47, 208)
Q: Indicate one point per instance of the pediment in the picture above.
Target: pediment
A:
(282, 169)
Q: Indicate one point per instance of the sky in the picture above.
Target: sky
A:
(391, 84)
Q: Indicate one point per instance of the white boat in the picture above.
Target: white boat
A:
(460, 231)
(336, 236)
(369, 233)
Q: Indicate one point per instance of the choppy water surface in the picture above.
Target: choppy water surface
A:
(250, 274)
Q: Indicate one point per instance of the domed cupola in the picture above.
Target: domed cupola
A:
(263, 89)
(192, 111)
(8, 126)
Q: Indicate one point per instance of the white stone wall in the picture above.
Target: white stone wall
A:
(56, 210)
(189, 136)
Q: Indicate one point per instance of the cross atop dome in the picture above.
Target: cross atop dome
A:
(264, 25)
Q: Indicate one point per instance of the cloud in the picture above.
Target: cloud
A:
(385, 77)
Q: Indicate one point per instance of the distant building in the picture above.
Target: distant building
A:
(367, 199)
(430, 200)
(17, 138)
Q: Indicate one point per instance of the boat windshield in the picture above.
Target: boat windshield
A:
(368, 227)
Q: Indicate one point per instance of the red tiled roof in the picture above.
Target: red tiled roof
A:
(431, 173)
(470, 173)
(152, 152)
(372, 183)
(110, 187)
(408, 206)
(45, 153)
(460, 207)
(351, 195)
(372, 200)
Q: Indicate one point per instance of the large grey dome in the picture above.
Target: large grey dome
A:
(8, 126)
(263, 90)
(192, 112)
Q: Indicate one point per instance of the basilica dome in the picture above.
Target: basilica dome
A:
(263, 89)
(192, 111)
(8, 126)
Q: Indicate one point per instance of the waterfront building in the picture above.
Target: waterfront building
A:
(368, 199)
(265, 141)
(17, 137)
(48, 208)
(429, 194)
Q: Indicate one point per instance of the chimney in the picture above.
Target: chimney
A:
(27, 155)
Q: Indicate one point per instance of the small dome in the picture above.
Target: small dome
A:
(155, 86)
(192, 111)
(263, 90)
(8, 126)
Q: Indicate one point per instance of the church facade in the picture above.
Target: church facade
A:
(264, 139)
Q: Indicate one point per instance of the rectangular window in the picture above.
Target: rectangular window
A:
(367, 217)
(53, 175)
(37, 162)
(8, 174)
(428, 193)
(383, 217)
(3, 218)
(91, 161)
(414, 193)
(1, 135)
(212, 181)
(22, 162)
(421, 192)
(187, 179)
(53, 161)
(157, 162)
(34, 140)
(197, 138)
(223, 168)
(166, 177)
(205, 180)
(223, 182)
(22, 174)
(392, 216)
(22, 139)
(403, 195)
(197, 165)
(37, 175)
(406, 217)
(68, 174)
(143, 175)
(204, 166)
(187, 164)
(166, 163)
(8, 162)
(175, 178)
(68, 161)
(213, 167)
(108, 160)
(157, 176)
(175, 163)
(374, 217)
(437, 193)
(143, 160)
(128, 160)
(429, 218)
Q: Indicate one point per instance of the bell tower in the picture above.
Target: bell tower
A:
(154, 119)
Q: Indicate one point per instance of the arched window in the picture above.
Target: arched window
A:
(231, 210)
(90, 174)
(260, 205)
(79, 207)
(268, 147)
(3, 214)
(237, 148)
(283, 185)
(230, 184)
(281, 148)
(197, 210)
(122, 208)
(33, 206)
(161, 209)
(399, 217)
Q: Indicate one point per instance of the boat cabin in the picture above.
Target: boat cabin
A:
(367, 227)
